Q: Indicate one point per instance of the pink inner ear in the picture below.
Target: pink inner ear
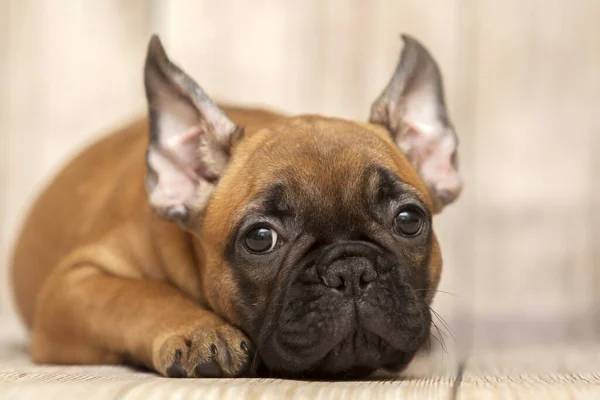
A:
(174, 187)
(416, 146)
(183, 150)
(440, 174)
(432, 153)
(175, 161)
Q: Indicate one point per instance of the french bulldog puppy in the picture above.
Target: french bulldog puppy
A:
(209, 241)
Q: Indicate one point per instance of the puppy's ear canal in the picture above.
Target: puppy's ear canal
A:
(190, 139)
(413, 109)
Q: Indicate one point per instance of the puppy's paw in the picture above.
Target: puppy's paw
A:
(215, 352)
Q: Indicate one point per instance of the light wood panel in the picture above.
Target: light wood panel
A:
(3, 137)
(537, 86)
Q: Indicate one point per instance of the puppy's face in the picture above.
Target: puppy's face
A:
(321, 234)
(317, 231)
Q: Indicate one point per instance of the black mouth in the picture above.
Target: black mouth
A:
(325, 370)
(366, 352)
(355, 356)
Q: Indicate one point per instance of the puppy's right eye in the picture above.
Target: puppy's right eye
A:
(260, 240)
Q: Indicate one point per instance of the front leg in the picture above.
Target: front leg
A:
(87, 316)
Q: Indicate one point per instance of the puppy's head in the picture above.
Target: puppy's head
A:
(317, 232)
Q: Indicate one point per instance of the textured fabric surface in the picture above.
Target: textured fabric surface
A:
(550, 371)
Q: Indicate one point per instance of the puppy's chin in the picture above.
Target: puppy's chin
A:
(355, 356)
(348, 350)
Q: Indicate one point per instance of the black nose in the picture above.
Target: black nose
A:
(348, 268)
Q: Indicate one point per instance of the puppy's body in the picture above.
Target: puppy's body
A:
(306, 241)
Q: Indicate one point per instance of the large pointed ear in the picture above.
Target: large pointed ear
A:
(190, 139)
(413, 109)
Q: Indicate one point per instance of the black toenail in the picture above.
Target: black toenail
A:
(213, 349)
(244, 346)
(208, 370)
(176, 371)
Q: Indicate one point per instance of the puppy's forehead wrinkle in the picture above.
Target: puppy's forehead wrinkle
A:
(275, 202)
(387, 186)
(346, 193)
(320, 206)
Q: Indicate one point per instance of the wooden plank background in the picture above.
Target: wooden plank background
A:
(521, 246)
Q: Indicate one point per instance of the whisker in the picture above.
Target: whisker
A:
(444, 323)
(439, 339)
(428, 346)
(437, 291)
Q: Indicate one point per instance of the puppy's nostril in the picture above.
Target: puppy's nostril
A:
(368, 276)
(332, 281)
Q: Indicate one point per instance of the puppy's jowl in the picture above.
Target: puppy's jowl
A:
(211, 241)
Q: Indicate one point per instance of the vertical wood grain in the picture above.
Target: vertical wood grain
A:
(538, 87)
(4, 98)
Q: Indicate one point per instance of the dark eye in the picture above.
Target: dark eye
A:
(408, 222)
(260, 240)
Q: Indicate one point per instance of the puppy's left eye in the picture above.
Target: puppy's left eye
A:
(408, 222)
(260, 240)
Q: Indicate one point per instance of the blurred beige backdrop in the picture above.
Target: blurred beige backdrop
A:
(523, 86)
